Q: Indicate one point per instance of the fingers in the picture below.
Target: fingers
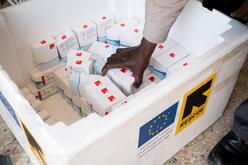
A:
(120, 50)
(138, 80)
(112, 65)
(123, 50)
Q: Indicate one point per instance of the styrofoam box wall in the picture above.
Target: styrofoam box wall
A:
(218, 41)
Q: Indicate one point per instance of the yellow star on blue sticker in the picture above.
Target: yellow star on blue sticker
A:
(157, 124)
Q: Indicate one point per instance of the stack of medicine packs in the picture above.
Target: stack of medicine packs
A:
(72, 62)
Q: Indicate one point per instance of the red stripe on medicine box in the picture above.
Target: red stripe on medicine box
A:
(185, 64)
(152, 78)
(104, 90)
(40, 96)
(79, 54)
(52, 46)
(43, 42)
(172, 55)
(79, 62)
(107, 46)
(63, 37)
(98, 83)
(43, 80)
(123, 70)
(85, 26)
(122, 25)
(136, 30)
(111, 98)
(160, 46)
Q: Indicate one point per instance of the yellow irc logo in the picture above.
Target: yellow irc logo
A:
(195, 103)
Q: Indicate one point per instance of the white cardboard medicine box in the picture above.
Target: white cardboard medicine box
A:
(148, 127)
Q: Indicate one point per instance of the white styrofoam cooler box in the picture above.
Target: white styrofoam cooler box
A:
(144, 130)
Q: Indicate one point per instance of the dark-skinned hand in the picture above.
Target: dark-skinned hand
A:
(136, 59)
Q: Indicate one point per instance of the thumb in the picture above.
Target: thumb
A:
(138, 80)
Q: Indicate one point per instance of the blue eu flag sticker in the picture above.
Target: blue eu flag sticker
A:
(157, 124)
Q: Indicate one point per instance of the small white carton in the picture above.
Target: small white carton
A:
(103, 23)
(124, 79)
(86, 34)
(65, 42)
(92, 84)
(81, 66)
(113, 33)
(78, 54)
(100, 49)
(162, 48)
(44, 92)
(67, 88)
(117, 75)
(44, 77)
(44, 51)
(182, 65)
(85, 106)
(164, 61)
(60, 75)
(74, 79)
(107, 97)
(133, 36)
(101, 52)
(62, 72)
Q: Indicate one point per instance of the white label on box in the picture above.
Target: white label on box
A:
(86, 34)
(113, 33)
(103, 23)
(102, 106)
(65, 42)
(82, 66)
(162, 48)
(118, 75)
(89, 84)
(102, 50)
(80, 61)
(101, 93)
(44, 51)
(181, 65)
(62, 72)
(78, 54)
(164, 61)
(133, 36)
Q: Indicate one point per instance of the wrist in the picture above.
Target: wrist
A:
(147, 47)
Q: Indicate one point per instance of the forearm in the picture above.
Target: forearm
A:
(160, 16)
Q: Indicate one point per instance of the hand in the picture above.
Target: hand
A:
(242, 12)
(136, 59)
